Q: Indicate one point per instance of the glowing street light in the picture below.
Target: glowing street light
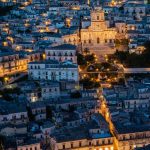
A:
(6, 79)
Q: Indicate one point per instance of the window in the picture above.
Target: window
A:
(35, 148)
(63, 146)
(103, 142)
(31, 148)
(72, 74)
(89, 41)
(98, 40)
(97, 142)
(89, 143)
(124, 137)
(97, 17)
(80, 144)
(71, 145)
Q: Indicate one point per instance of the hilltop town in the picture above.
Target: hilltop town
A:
(74, 75)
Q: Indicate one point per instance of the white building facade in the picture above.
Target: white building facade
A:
(53, 70)
(62, 53)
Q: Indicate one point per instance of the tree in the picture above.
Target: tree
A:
(81, 60)
(133, 59)
(90, 58)
(89, 84)
(86, 51)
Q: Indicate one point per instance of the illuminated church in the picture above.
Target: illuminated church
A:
(98, 37)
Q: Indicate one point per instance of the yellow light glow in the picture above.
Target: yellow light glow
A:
(44, 56)
(111, 148)
(18, 48)
(108, 80)
(97, 80)
(84, 75)
(6, 79)
(10, 38)
(29, 50)
(27, 24)
(5, 44)
(34, 99)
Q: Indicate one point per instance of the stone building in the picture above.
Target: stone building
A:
(53, 70)
(62, 53)
(98, 37)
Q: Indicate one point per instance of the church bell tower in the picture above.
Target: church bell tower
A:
(98, 19)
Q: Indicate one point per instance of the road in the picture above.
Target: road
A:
(104, 110)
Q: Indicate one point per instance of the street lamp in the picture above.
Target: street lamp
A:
(6, 79)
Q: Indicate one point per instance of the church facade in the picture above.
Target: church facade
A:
(98, 37)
